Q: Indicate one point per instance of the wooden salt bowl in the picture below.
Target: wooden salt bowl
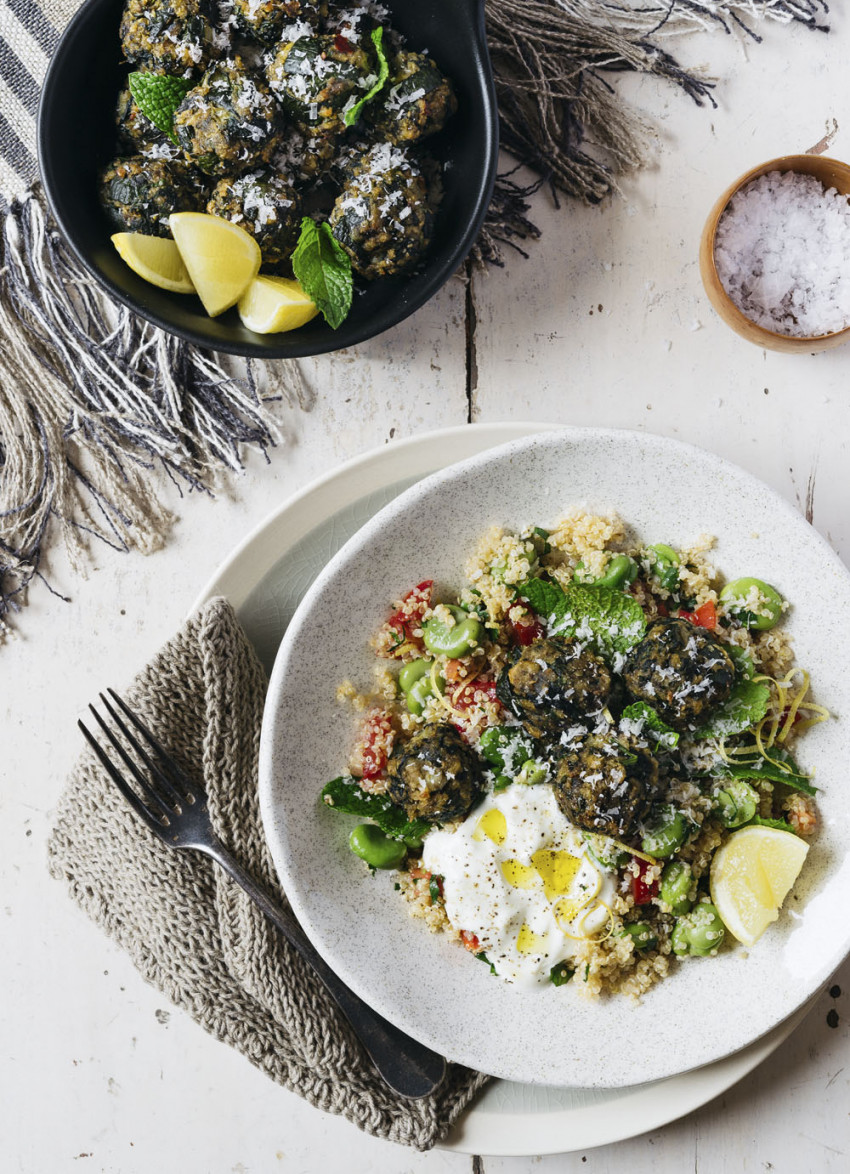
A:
(831, 174)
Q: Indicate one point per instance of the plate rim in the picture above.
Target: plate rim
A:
(240, 573)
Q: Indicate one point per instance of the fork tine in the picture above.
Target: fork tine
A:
(191, 789)
(172, 797)
(150, 817)
(149, 791)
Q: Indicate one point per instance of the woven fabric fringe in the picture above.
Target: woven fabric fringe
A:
(93, 400)
(559, 114)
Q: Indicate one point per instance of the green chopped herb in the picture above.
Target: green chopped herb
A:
(560, 974)
(654, 726)
(482, 957)
(343, 794)
(351, 116)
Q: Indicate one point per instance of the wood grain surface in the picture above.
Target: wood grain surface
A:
(605, 323)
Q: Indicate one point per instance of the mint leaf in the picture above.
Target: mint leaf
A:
(742, 661)
(548, 599)
(351, 116)
(744, 707)
(343, 794)
(323, 267)
(763, 768)
(781, 825)
(157, 96)
(609, 620)
(652, 723)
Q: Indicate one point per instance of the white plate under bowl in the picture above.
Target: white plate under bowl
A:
(265, 577)
(708, 1008)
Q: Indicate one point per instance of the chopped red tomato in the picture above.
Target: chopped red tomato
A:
(526, 629)
(470, 698)
(643, 890)
(705, 616)
(479, 691)
(375, 744)
(413, 607)
(470, 941)
(342, 44)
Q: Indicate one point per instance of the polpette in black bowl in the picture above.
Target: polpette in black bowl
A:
(77, 140)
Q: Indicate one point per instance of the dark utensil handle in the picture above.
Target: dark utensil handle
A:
(407, 1066)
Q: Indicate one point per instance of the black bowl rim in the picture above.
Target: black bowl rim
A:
(337, 340)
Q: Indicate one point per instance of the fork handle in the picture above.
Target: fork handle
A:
(407, 1066)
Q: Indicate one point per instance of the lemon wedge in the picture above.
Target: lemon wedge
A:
(751, 875)
(155, 258)
(222, 258)
(273, 304)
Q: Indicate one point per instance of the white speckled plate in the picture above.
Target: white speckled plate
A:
(708, 1008)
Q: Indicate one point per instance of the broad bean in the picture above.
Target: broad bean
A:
(455, 641)
(416, 683)
(505, 748)
(770, 603)
(620, 572)
(699, 932)
(676, 883)
(736, 803)
(664, 564)
(666, 835)
(642, 934)
(379, 851)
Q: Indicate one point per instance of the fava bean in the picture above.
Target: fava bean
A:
(699, 932)
(664, 564)
(770, 603)
(736, 803)
(411, 672)
(419, 693)
(620, 572)
(505, 747)
(416, 684)
(455, 641)
(533, 772)
(666, 835)
(642, 934)
(379, 851)
(676, 883)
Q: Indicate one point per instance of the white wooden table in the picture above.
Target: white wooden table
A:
(606, 324)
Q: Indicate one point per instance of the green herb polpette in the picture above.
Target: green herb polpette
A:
(351, 116)
(157, 96)
(324, 270)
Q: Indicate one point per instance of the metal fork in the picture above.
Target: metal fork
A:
(175, 808)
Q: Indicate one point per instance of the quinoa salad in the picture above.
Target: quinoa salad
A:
(285, 109)
(576, 764)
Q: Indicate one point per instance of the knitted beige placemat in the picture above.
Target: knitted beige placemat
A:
(188, 928)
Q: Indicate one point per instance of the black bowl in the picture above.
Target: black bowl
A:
(76, 138)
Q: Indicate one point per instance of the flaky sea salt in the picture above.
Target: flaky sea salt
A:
(782, 252)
